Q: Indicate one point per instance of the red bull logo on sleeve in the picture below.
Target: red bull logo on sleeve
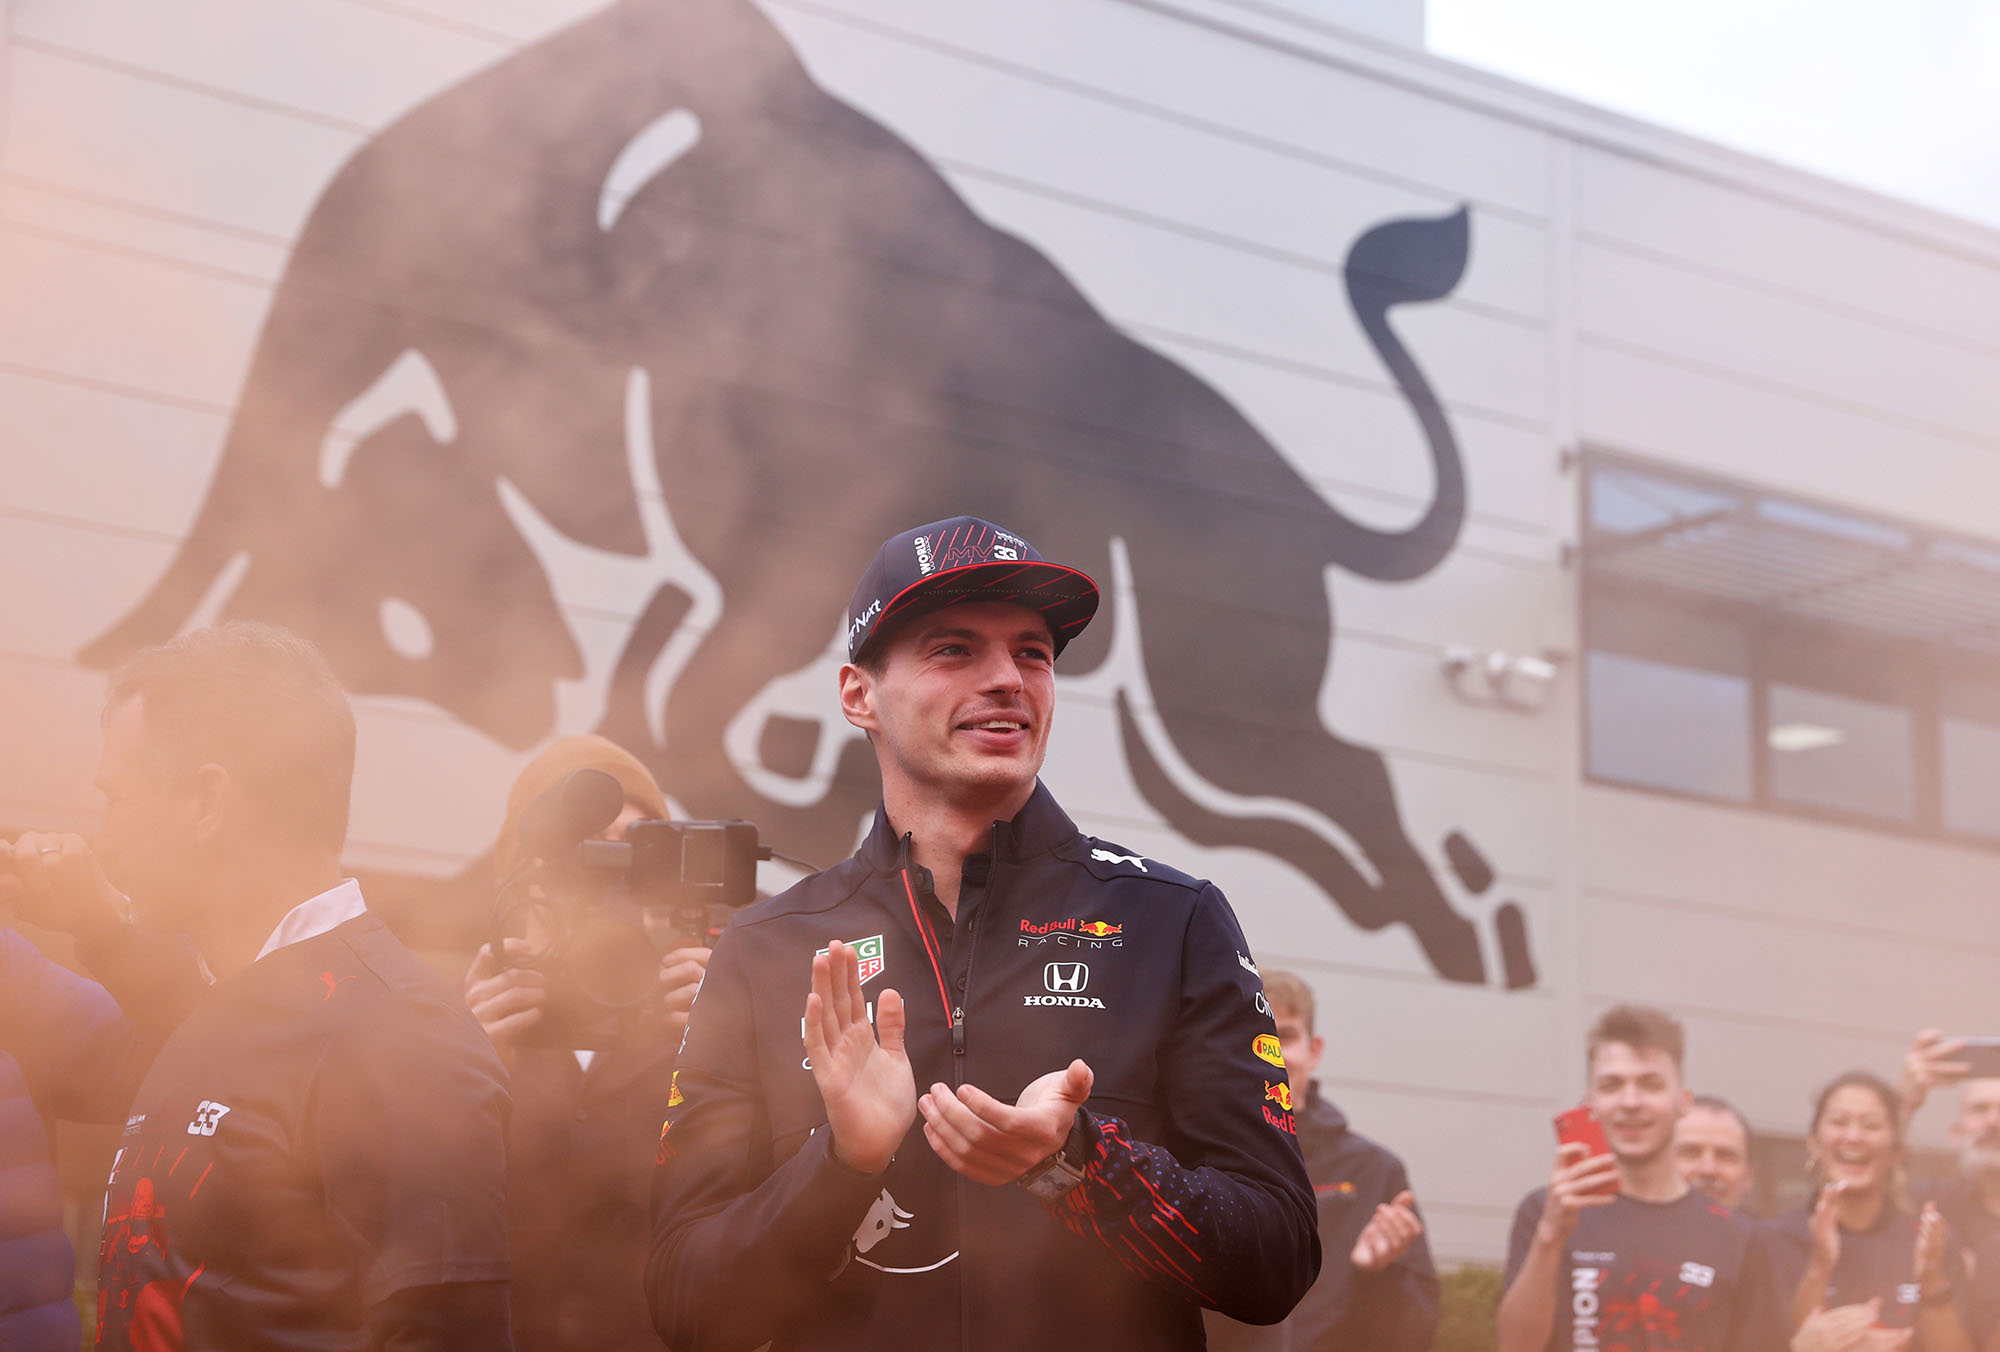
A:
(1279, 1093)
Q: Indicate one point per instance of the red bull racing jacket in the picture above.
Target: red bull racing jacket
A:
(1194, 1193)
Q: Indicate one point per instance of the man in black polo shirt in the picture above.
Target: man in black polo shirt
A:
(1969, 1203)
(316, 1159)
(1618, 1251)
(1075, 1127)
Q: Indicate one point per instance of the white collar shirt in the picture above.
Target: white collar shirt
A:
(316, 915)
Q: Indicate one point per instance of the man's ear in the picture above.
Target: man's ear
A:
(216, 796)
(857, 696)
(1686, 1102)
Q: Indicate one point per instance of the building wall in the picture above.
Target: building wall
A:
(1199, 172)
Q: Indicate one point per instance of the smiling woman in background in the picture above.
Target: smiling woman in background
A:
(1860, 1244)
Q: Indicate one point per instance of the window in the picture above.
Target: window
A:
(1752, 649)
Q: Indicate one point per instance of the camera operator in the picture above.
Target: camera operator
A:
(938, 1166)
(586, 1120)
(1618, 1249)
(316, 1159)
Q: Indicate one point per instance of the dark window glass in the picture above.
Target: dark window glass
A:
(1838, 752)
(1669, 727)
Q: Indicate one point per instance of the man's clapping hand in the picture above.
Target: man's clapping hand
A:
(863, 1073)
(992, 1143)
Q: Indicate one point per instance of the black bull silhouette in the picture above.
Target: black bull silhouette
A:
(834, 347)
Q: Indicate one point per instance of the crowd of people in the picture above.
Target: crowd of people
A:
(989, 1083)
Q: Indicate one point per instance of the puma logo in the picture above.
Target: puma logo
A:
(1108, 857)
(332, 983)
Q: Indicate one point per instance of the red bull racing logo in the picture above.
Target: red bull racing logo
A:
(1281, 1095)
(1071, 932)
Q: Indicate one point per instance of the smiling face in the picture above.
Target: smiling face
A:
(959, 706)
(1714, 1154)
(1854, 1140)
(1638, 1095)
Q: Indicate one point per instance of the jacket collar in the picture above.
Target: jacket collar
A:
(1040, 826)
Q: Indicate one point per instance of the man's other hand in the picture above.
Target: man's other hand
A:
(1388, 1235)
(54, 881)
(863, 1073)
(992, 1143)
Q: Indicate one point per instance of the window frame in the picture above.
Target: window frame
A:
(1856, 662)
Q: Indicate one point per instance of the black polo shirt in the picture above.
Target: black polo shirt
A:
(327, 1128)
(1645, 1276)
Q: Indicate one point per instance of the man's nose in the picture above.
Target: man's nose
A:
(999, 672)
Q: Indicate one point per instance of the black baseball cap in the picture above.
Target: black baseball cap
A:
(964, 559)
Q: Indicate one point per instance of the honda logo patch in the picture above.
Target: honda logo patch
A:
(1066, 978)
(1065, 982)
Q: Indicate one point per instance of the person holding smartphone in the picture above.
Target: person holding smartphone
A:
(1617, 1249)
(1860, 1243)
(1970, 1203)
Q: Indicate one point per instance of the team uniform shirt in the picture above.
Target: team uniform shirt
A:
(1958, 1202)
(1646, 1276)
(1876, 1263)
(1194, 1193)
(324, 1130)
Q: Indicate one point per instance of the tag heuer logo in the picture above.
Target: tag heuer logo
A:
(869, 950)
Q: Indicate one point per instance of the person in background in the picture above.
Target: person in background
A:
(586, 1120)
(1377, 1287)
(67, 1050)
(1859, 1244)
(1970, 1203)
(1712, 1147)
(316, 1159)
(1618, 1250)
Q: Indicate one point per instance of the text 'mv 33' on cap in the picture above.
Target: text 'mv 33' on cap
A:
(964, 559)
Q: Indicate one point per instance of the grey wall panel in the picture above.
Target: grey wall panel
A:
(1816, 258)
(1773, 342)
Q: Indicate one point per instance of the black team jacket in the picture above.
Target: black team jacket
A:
(1195, 1194)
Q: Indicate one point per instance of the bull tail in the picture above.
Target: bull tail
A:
(1405, 262)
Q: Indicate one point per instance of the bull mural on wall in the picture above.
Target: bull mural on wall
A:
(647, 291)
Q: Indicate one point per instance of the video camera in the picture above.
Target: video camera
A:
(605, 911)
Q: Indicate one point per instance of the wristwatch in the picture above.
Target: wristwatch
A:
(1056, 1175)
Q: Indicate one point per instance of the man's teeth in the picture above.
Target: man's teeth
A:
(1001, 727)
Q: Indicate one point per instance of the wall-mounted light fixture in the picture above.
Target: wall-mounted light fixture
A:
(1500, 679)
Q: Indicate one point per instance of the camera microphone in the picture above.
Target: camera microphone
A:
(577, 808)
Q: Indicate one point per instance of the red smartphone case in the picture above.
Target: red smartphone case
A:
(1580, 1126)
